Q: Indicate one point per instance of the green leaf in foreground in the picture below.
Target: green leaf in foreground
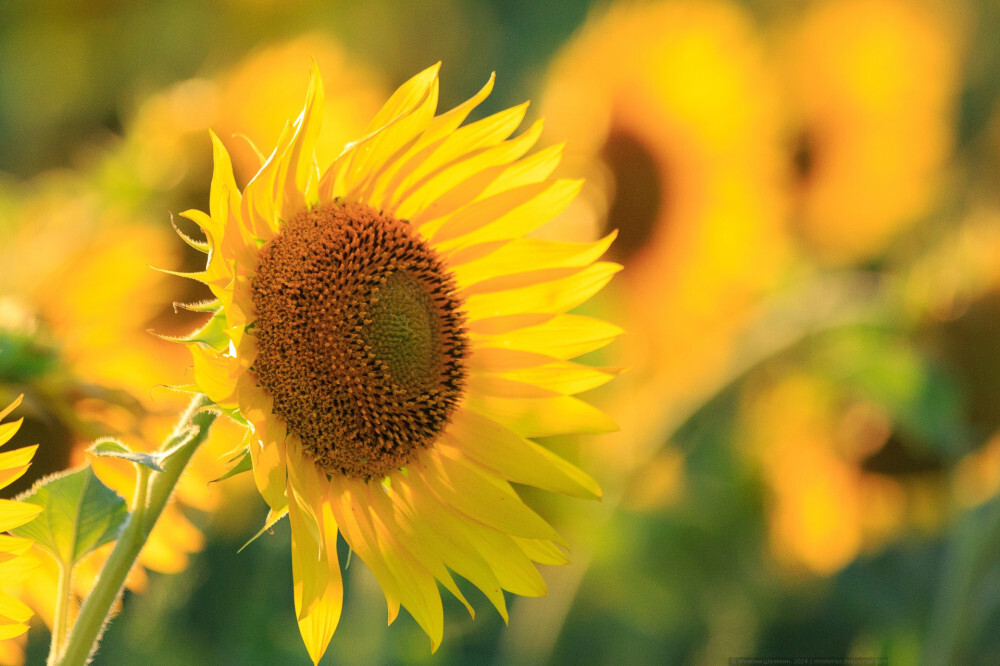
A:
(81, 514)
(112, 448)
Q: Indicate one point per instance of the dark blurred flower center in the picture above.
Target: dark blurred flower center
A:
(639, 193)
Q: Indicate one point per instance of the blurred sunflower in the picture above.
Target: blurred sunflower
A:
(394, 340)
(873, 120)
(251, 100)
(673, 118)
(846, 475)
(15, 561)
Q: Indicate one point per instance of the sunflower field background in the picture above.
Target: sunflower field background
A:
(807, 199)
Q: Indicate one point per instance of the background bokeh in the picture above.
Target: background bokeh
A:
(808, 205)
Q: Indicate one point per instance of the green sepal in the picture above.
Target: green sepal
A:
(209, 305)
(272, 518)
(201, 246)
(234, 414)
(212, 334)
(80, 515)
(243, 464)
(112, 448)
(200, 276)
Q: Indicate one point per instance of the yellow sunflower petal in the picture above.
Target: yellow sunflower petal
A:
(320, 622)
(369, 159)
(541, 551)
(402, 113)
(10, 630)
(297, 178)
(13, 609)
(309, 572)
(565, 378)
(215, 374)
(563, 337)
(509, 564)
(528, 254)
(346, 497)
(408, 530)
(543, 417)
(7, 430)
(12, 546)
(14, 463)
(481, 495)
(14, 514)
(515, 458)
(457, 555)
(10, 408)
(428, 201)
(503, 359)
(554, 296)
(306, 491)
(506, 215)
(418, 590)
(483, 133)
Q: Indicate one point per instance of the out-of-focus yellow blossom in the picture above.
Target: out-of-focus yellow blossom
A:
(670, 112)
(254, 100)
(16, 562)
(874, 85)
(810, 443)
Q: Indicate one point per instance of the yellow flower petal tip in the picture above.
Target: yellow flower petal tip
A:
(361, 303)
(17, 561)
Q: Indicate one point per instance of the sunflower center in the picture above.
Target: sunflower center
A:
(360, 341)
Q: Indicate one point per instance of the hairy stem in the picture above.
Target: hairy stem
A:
(152, 494)
(64, 600)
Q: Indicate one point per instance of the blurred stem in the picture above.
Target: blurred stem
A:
(64, 599)
(153, 491)
(972, 548)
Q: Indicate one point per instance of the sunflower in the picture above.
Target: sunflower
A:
(394, 340)
(681, 153)
(15, 560)
(873, 120)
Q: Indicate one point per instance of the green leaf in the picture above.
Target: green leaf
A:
(80, 514)
(244, 464)
(112, 448)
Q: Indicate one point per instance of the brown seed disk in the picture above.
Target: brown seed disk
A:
(360, 339)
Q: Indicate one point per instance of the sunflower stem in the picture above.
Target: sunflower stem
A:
(153, 491)
(971, 549)
(64, 598)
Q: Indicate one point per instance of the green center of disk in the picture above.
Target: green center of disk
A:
(403, 331)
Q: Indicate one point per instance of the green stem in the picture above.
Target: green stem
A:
(972, 548)
(63, 602)
(153, 491)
